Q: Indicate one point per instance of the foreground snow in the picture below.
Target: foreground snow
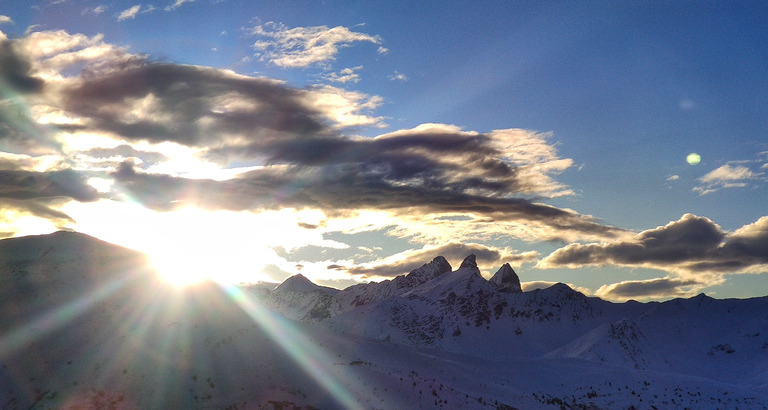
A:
(86, 325)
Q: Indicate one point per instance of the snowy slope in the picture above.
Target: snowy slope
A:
(461, 312)
(85, 324)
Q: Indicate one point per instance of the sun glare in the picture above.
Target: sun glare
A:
(180, 268)
(185, 246)
(199, 245)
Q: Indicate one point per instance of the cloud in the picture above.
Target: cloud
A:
(131, 97)
(36, 195)
(489, 259)
(690, 238)
(176, 4)
(432, 180)
(731, 175)
(112, 158)
(129, 13)
(16, 70)
(23, 185)
(31, 216)
(397, 77)
(347, 75)
(694, 250)
(94, 10)
(429, 172)
(187, 104)
(727, 173)
(5, 19)
(303, 46)
(651, 289)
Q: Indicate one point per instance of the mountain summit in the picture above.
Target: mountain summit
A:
(428, 271)
(85, 324)
(507, 280)
(300, 283)
(469, 262)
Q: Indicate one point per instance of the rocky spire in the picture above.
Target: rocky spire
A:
(507, 280)
(429, 271)
(469, 262)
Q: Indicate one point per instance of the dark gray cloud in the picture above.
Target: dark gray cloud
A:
(16, 71)
(19, 133)
(295, 134)
(190, 105)
(344, 188)
(39, 193)
(692, 244)
(24, 185)
(40, 208)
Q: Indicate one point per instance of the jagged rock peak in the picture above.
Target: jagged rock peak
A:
(507, 280)
(469, 262)
(430, 270)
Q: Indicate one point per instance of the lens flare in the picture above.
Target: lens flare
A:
(693, 158)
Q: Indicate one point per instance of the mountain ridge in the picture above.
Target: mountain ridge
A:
(88, 324)
(460, 311)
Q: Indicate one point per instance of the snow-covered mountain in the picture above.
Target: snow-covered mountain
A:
(86, 324)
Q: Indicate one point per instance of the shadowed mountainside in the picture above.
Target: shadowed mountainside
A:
(86, 324)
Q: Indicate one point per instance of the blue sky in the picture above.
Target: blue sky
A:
(354, 141)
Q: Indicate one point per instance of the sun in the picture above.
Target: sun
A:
(190, 245)
(197, 246)
(180, 269)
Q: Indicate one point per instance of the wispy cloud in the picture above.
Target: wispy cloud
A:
(303, 46)
(129, 13)
(5, 19)
(397, 77)
(347, 75)
(94, 10)
(735, 174)
(176, 4)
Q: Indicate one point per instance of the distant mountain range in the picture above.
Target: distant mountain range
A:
(87, 324)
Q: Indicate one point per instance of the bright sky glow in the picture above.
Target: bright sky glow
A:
(619, 147)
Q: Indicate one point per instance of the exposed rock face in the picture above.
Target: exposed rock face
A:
(428, 271)
(469, 262)
(85, 324)
(507, 280)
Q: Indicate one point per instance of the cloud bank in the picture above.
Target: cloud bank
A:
(292, 141)
(694, 250)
